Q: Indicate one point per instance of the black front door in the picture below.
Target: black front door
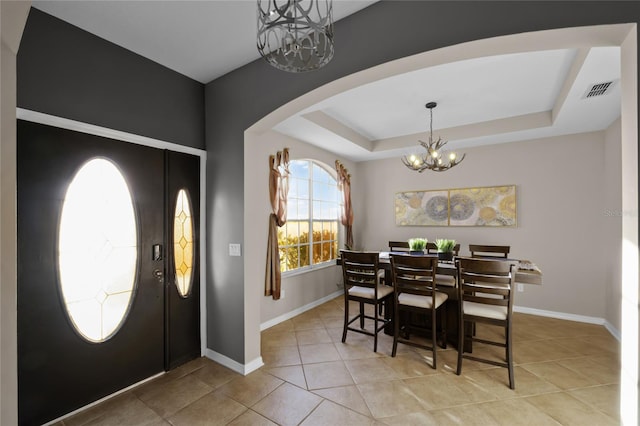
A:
(92, 256)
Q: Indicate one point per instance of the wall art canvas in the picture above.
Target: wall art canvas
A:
(480, 206)
(484, 206)
(422, 208)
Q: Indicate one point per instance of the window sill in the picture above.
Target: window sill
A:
(307, 269)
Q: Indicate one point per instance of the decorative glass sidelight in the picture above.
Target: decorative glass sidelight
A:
(183, 243)
(97, 250)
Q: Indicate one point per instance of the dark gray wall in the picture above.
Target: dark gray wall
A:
(385, 31)
(68, 72)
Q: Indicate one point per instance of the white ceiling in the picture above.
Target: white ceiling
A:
(523, 96)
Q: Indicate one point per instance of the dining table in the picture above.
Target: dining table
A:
(527, 273)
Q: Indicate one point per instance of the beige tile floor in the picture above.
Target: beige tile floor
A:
(566, 374)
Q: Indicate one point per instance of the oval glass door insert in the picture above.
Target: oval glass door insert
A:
(97, 250)
(183, 243)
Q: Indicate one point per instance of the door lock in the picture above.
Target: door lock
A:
(159, 275)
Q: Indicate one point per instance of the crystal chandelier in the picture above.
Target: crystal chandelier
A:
(295, 35)
(433, 159)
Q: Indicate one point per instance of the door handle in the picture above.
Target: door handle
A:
(159, 275)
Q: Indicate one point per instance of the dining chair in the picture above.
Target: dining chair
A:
(478, 250)
(485, 289)
(398, 246)
(444, 279)
(361, 284)
(415, 292)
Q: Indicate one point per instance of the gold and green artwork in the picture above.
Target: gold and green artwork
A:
(480, 206)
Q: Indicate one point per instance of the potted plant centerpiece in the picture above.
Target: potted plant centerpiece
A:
(445, 248)
(417, 245)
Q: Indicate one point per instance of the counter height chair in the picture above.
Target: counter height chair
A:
(485, 288)
(361, 284)
(415, 292)
(443, 279)
(398, 246)
(489, 251)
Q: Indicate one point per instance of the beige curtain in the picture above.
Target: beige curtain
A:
(346, 212)
(278, 190)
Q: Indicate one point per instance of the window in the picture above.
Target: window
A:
(310, 236)
(97, 250)
(183, 243)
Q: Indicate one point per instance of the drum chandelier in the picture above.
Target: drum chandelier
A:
(295, 35)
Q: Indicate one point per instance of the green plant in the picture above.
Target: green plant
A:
(417, 244)
(444, 245)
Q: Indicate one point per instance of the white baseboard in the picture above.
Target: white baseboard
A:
(570, 317)
(614, 331)
(298, 311)
(249, 367)
(243, 369)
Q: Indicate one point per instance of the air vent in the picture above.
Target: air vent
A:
(598, 89)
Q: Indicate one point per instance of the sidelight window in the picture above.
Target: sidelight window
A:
(183, 243)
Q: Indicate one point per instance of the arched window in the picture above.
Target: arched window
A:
(310, 236)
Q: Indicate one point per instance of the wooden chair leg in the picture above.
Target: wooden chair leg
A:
(346, 319)
(434, 336)
(460, 345)
(512, 382)
(375, 328)
(396, 331)
(361, 315)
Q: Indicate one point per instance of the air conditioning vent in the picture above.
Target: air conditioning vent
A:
(598, 89)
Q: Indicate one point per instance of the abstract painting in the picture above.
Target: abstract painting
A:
(480, 206)
(422, 208)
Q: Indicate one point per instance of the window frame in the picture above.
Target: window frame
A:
(339, 228)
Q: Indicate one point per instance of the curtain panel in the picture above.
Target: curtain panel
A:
(278, 191)
(346, 211)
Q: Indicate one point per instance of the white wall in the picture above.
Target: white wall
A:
(300, 289)
(13, 16)
(560, 203)
(613, 223)
(629, 384)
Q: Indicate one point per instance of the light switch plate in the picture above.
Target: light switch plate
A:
(234, 249)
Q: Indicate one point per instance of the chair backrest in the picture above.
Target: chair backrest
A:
(414, 274)
(398, 246)
(487, 281)
(359, 268)
(432, 248)
(489, 251)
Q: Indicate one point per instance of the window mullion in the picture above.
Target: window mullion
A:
(311, 198)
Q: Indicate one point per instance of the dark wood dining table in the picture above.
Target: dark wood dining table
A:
(527, 273)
